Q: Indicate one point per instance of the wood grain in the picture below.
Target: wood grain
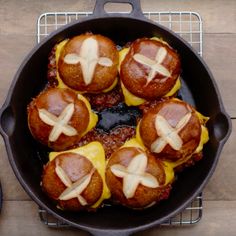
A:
(218, 16)
(220, 55)
(217, 217)
(21, 219)
(12, 189)
(15, 48)
(213, 12)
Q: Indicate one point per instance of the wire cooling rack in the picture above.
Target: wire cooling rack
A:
(189, 26)
(189, 216)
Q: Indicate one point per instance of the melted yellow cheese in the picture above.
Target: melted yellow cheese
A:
(131, 99)
(61, 84)
(204, 139)
(160, 40)
(203, 119)
(95, 153)
(138, 136)
(111, 87)
(93, 118)
(134, 143)
(59, 47)
(122, 53)
(174, 89)
(169, 171)
(174, 164)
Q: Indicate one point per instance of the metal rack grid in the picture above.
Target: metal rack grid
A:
(189, 26)
(189, 216)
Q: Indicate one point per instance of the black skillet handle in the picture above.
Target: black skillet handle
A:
(221, 125)
(136, 11)
(7, 121)
(110, 233)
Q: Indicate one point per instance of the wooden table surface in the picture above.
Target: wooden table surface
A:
(19, 215)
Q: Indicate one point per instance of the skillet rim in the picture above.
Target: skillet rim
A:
(35, 197)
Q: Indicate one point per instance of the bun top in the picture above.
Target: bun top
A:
(73, 181)
(150, 69)
(136, 178)
(171, 129)
(135, 167)
(88, 63)
(53, 118)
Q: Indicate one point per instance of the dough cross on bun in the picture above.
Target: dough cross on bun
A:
(88, 59)
(134, 174)
(73, 190)
(168, 134)
(60, 123)
(155, 65)
(149, 70)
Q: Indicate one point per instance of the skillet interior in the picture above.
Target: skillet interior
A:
(24, 152)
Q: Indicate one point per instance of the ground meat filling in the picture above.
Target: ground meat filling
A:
(105, 100)
(52, 68)
(111, 141)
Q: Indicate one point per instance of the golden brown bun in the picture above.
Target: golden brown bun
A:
(103, 77)
(144, 196)
(172, 111)
(134, 74)
(55, 100)
(76, 167)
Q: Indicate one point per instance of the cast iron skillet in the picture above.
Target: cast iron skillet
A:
(199, 89)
